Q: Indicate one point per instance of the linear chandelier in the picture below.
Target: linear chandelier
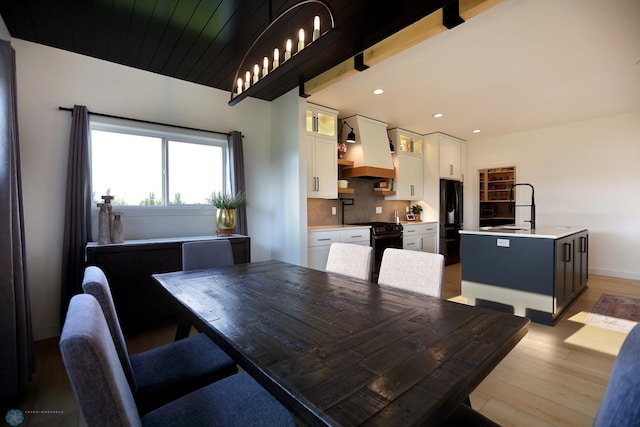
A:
(253, 77)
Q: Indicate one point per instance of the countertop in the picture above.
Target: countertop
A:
(541, 232)
(347, 226)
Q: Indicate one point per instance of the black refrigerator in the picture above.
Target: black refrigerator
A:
(450, 220)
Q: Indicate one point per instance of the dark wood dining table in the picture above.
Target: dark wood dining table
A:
(341, 351)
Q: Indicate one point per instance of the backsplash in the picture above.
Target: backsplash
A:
(363, 209)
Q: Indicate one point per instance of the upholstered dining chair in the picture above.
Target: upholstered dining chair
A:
(106, 399)
(350, 260)
(412, 270)
(164, 373)
(206, 254)
(620, 404)
(198, 255)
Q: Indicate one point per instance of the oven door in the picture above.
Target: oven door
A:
(380, 243)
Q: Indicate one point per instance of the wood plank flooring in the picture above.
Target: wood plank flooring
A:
(555, 376)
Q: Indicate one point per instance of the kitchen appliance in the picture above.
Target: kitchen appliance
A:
(383, 235)
(450, 220)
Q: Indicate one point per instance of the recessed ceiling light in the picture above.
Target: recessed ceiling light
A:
(378, 91)
(438, 115)
(476, 131)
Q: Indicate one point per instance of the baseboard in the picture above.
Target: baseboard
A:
(613, 273)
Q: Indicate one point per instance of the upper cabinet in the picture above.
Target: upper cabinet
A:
(322, 154)
(409, 164)
(450, 156)
(322, 121)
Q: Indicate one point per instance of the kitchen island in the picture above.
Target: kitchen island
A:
(533, 273)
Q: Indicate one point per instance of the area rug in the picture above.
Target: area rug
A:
(615, 312)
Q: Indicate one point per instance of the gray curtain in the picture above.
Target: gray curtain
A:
(236, 161)
(16, 349)
(77, 220)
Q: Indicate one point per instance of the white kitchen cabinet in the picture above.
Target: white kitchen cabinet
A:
(451, 161)
(322, 154)
(409, 164)
(319, 243)
(420, 237)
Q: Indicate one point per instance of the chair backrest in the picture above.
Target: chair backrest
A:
(95, 284)
(620, 405)
(412, 270)
(92, 364)
(351, 260)
(206, 254)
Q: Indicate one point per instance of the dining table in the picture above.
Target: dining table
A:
(341, 351)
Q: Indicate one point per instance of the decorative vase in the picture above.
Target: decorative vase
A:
(117, 231)
(225, 221)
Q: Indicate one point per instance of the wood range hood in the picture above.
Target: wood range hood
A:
(370, 154)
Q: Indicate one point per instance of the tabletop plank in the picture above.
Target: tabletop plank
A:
(340, 351)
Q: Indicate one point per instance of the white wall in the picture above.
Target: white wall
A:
(48, 78)
(585, 174)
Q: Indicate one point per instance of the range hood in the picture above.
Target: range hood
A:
(370, 154)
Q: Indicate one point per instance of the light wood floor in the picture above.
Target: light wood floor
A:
(555, 376)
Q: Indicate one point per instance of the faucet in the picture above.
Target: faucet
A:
(533, 203)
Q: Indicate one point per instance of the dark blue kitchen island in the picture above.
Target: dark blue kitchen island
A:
(534, 273)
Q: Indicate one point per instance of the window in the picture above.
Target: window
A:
(155, 165)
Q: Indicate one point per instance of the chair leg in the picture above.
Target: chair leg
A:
(183, 330)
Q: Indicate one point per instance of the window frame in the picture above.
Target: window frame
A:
(165, 133)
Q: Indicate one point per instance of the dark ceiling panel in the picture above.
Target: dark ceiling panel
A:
(204, 41)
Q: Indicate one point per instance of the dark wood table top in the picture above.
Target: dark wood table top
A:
(340, 351)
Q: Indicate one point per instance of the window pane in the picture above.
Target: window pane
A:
(128, 167)
(195, 171)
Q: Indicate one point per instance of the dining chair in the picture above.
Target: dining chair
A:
(105, 397)
(199, 255)
(164, 373)
(350, 260)
(412, 270)
(206, 254)
(620, 404)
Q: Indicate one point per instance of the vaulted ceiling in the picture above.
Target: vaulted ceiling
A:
(205, 41)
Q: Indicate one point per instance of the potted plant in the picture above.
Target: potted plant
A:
(415, 210)
(226, 205)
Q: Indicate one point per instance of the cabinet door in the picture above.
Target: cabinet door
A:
(428, 243)
(564, 272)
(322, 180)
(317, 257)
(411, 243)
(409, 182)
(581, 260)
(449, 158)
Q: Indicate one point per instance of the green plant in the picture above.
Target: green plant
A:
(227, 201)
(416, 209)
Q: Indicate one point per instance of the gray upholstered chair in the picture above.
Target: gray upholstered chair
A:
(164, 373)
(620, 405)
(206, 254)
(106, 399)
(412, 270)
(198, 255)
(351, 260)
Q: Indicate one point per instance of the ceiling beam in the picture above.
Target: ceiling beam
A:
(422, 30)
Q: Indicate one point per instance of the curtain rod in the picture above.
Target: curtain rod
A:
(147, 121)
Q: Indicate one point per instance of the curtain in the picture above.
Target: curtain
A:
(77, 220)
(16, 351)
(236, 162)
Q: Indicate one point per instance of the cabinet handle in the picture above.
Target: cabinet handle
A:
(421, 244)
(412, 189)
(451, 170)
(324, 239)
(410, 244)
(318, 183)
(354, 237)
(410, 231)
(567, 252)
(583, 244)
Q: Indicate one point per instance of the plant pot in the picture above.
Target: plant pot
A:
(417, 216)
(225, 221)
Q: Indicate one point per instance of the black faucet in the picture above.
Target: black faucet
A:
(533, 203)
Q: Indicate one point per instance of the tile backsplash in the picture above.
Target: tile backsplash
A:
(363, 209)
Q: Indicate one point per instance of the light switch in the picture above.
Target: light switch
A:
(333, 210)
(503, 243)
(378, 209)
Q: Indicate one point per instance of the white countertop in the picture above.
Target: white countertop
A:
(541, 231)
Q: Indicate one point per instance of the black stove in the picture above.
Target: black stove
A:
(379, 228)
(383, 235)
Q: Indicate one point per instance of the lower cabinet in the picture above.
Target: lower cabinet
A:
(571, 266)
(319, 243)
(420, 237)
(139, 301)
